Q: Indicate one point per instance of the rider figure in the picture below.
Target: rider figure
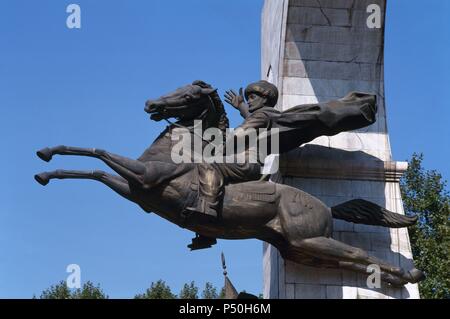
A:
(300, 124)
(261, 97)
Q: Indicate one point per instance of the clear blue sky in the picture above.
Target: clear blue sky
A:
(88, 87)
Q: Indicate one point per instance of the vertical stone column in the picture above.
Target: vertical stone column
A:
(314, 51)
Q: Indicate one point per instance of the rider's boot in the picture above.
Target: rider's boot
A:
(202, 242)
(205, 205)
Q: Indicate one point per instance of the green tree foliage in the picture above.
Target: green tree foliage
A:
(189, 291)
(61, 291)
(158, 290)
(58, 291)
(210, 292)
(424, 194)
(222, 293)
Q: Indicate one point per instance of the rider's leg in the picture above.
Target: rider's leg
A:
(211, 190)
(238, 173)
(213, 178)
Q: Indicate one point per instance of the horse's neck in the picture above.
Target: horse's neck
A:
(160, 148)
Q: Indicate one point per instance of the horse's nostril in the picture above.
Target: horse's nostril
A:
(149, 105)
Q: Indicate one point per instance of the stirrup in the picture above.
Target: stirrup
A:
(201, 242)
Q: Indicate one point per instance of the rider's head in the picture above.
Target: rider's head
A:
(260, 94)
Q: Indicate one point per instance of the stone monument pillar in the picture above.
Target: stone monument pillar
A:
(314, 51)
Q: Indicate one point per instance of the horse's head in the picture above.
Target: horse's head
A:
(186, 103)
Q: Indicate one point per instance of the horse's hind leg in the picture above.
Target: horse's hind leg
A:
(130, 169)
(116, 183)
(355, 259)
(385, 276)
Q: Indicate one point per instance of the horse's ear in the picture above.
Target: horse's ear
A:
(208, 91)
(201, 83)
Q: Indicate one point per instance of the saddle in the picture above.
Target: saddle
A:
(255, 190)
(261, 190)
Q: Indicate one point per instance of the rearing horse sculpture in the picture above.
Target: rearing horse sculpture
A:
(295, 222)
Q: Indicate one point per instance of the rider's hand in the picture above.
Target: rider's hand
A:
(233, 99)
(237, 101)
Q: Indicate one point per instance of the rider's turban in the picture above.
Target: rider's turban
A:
(265, 89)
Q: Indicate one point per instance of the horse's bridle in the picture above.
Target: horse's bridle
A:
(193, 127)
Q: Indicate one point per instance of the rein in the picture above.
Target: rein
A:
(192, 129)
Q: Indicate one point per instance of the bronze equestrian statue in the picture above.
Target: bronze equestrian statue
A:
(234, 204)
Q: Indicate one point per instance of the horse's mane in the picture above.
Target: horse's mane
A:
(223, 122)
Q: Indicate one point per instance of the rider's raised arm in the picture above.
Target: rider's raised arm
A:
(238, 102)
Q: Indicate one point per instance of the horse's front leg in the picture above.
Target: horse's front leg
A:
(132, 170)
(116, 183)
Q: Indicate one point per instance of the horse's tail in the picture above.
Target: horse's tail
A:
(360, 211)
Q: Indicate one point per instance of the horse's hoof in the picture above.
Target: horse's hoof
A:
(42, 178)
(416, 275)
(396, 282)
(45, 154)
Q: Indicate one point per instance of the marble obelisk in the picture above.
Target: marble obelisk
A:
(317, 50)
